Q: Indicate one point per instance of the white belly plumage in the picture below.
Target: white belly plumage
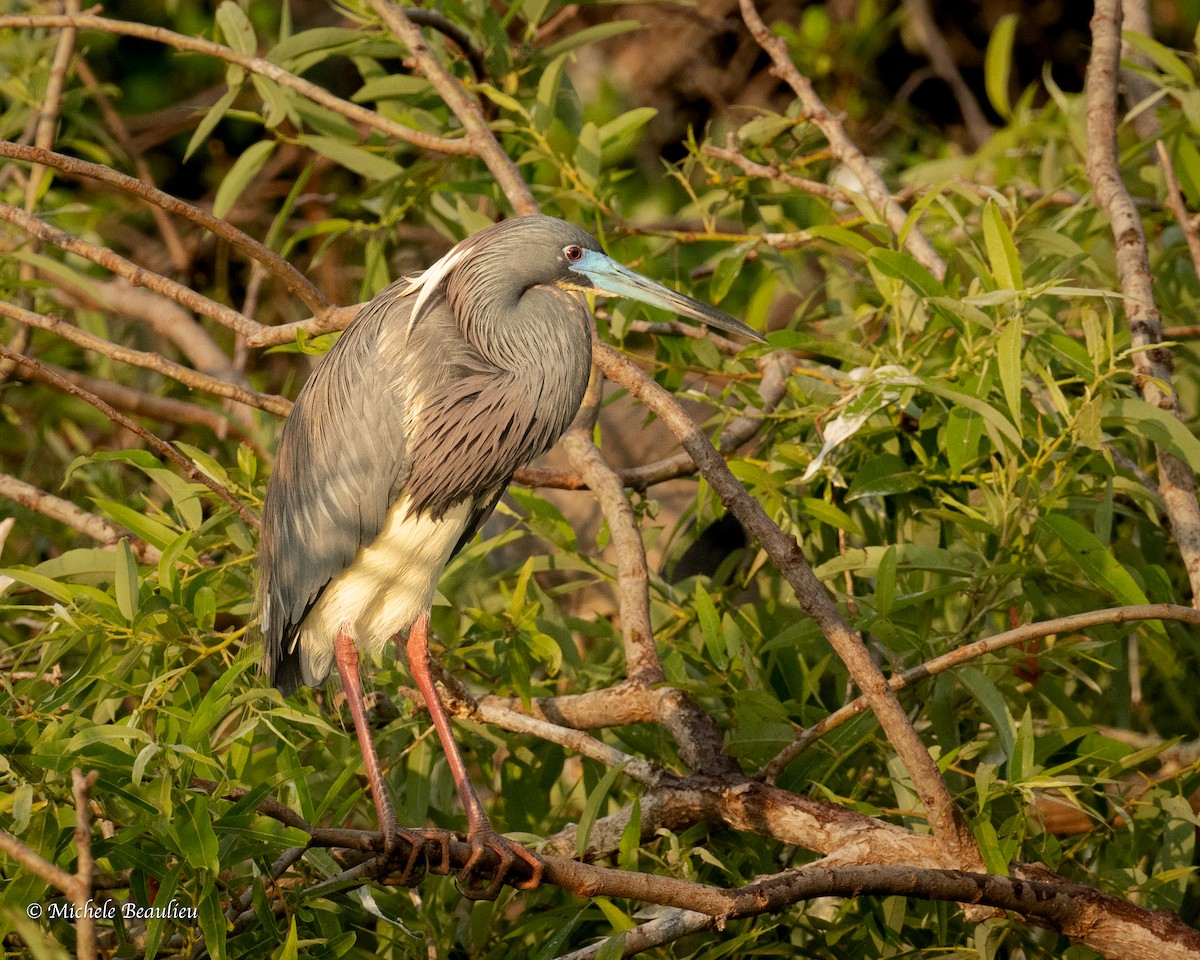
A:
(387, 586)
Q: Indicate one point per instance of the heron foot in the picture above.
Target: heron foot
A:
(510, 853)
(428, 851)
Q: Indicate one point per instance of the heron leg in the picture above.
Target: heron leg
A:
(479, 831)
(420, 842)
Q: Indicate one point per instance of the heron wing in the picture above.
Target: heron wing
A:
(341, 463)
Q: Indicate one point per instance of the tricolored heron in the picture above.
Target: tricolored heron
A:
(399, 447)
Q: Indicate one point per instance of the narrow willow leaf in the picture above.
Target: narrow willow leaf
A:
(240, 175)
(997, 64)
(591, 809)
(1008, 356)
(236, 28)
(1001, 251)
(211, 119)
(125, 580)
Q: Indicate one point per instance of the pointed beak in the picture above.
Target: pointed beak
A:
(609, 276)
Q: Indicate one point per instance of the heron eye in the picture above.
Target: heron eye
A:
(573, 252)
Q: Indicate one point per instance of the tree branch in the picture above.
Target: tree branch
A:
(165, 449)
(944, 817)
(1152, 363)
(75, 517)
(972, 651)
(842, 146)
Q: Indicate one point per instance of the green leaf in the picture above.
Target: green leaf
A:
(882, 476)
(393, 86)
(204, 608)
(151, 530)
(591, 809)
(240, 175)
(236, 28)
(587, 154)
(1156, 425)
(964, 430)
(125, 579)
(355, 159)
(997, 64)
(989, 413)
(1162, 57)
(1001, 251)
(710, 627)
(546, 104)
(992, 701)
(622, 129)
(1095, 560)
(588, 35)
(901, 266)
(211, 119)
(1008, 358)
(885, 582)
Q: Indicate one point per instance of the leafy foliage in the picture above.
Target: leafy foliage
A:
(954, 455)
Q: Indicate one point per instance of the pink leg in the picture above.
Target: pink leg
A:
(346, 657)
(479, 830)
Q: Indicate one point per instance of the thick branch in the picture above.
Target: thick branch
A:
(944, 817)
(1152, 363)
(75, 517)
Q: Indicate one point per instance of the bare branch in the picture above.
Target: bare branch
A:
(944, 816)
(138, 276)
(116, 125)
(292, 279)
(944, 65)
(149, 361)
(479, 138)
(165, 449)
(78, 519)
(166, 409)
(972, 651)
(1189, 224)
(1152, 363)
(842, 146)
(256, 65)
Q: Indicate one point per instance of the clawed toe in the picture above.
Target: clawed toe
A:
(509, 853)
(428, 851)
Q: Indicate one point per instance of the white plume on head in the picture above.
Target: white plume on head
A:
(425, 284)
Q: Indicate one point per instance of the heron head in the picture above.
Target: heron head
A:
(587, 267)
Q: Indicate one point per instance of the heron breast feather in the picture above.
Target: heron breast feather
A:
(387, 585)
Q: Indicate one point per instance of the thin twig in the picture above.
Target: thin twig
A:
(129, 400)
(479, 138)
(280, 406)
(731, 153)
(291, 278)
(842, 146)
(117, 417)
(256, 65)
(1189, 224)
(138, 276)
(116, 126)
